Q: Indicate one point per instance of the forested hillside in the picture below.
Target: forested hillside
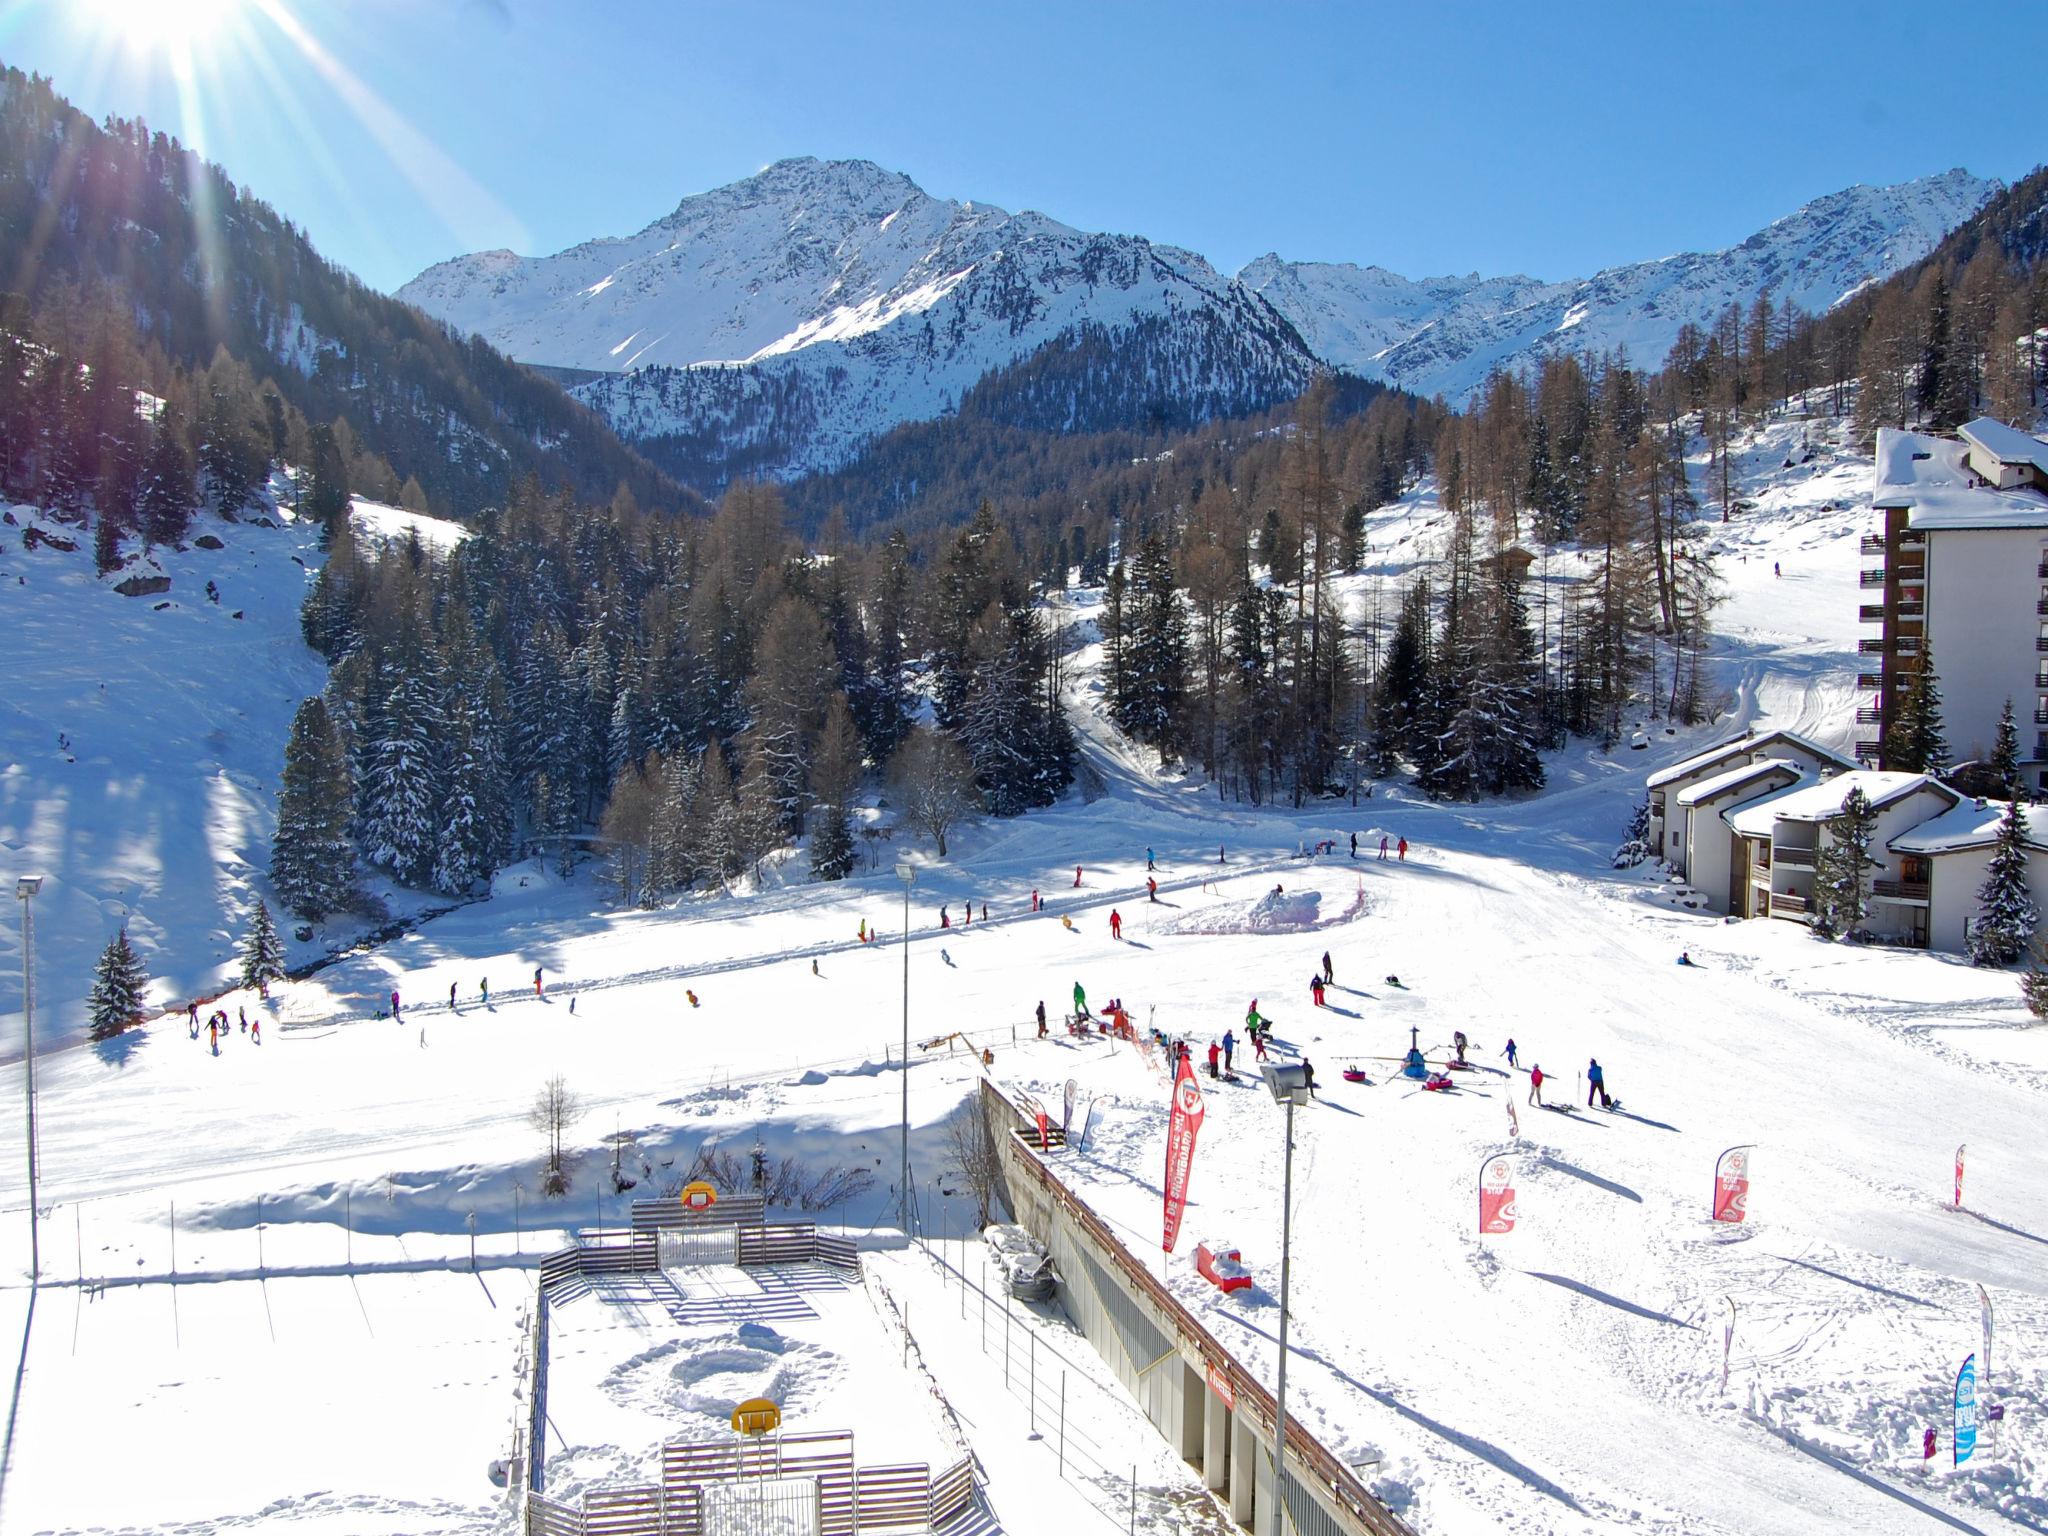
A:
(128, 247)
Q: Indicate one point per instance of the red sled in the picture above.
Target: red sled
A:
(1222, 1269)
(1354, 1074)
(1440, 1083)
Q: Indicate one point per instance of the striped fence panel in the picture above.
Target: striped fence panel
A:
(544, 1517)
(622, 1511)
(952, 1491)
(778, 1245)
(893, 1496)
(731, 1211)
(839, 1252)
(537, 1424)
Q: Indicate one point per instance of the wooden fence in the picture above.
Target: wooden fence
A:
(565, 1272)
(850, 1499)
(730, 1211)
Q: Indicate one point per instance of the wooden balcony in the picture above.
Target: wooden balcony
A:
(2041, 715)
(1872, 544)
(1871, 578)
(1793, 858)
(1783, 905)
(1876, 717)
(1900, 890)
(1868, 751)
(1876, 680)
(1904, 645)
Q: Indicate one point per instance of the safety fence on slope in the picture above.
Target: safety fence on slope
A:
(568, 1273)
(1312, 1459)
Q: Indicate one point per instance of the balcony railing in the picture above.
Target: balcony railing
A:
(1793, 858)
(2041, 717)
(1872, 578)
(1900, 890)
(1872, 544)
(1783, 905)
(1876, 717)
(2041, 570)
(1871, 613)
(1903, 645)
(1867, 751)
(1869, 679)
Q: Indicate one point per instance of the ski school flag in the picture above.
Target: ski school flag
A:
(1727, 1341)
(1067, 1118)
(1731, 1184)
(1181, 1129)
(1959, 1177)
(1496, 1196)
(1038, 1113)
(1984, 1306)
(1966, 1410)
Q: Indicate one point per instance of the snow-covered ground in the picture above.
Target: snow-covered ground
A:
(319, 1186)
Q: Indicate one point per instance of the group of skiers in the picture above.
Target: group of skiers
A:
(1596, 1082)
(217, 1025)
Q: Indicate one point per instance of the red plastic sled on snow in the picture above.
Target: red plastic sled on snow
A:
(1221, 1268)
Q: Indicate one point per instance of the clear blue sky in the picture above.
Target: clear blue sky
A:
(1432, 137)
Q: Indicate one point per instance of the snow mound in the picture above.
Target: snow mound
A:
(1275, 912)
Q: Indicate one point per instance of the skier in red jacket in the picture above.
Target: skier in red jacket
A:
(1536, 1086)
(1116, 924)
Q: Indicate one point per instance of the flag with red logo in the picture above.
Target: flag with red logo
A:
(1731, 1184)
(1496, 1196)
(1959, 1177)
(1181, 1129)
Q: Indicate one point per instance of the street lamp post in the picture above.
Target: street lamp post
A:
(1289, 1086)
(908, 876)
(25, 889)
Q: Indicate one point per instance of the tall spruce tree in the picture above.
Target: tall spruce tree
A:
(1841, 887)
(262, 949)
(2006, 914)
(2005, 756)
(312, 860)
(1916, 743)
(402, 774)
(165, 499)
(119, 985)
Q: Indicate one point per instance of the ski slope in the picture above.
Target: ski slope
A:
(314, 1193)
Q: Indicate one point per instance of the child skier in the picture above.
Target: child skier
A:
(1215, 1051)
(1315, 989)
(1510, 1051)
(1116, 924)
(1229, 1046)
(536, 981)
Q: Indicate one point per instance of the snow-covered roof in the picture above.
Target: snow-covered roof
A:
(1971, 824)
(1928, 475)
(2006, 444)
(1822, 800)
(1748, 746)
(1735, 778)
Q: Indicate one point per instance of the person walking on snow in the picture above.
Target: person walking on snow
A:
(1536, 1086)
(1308, 1076)
(1080, 1002)
(1149, 864)
(1596, 1083)
(1383, 848)
(1229, 1046)
(192, 1013)
(1116, 924)
(1152, 887)
(1458, 1044)
(451, 997)
(1315, 989)
(1259, 1046)
(484, 988)
(944, 920)
(1403, 850)
(1215, 1051)
(213, 1034)
(1034, 899)
(1354, 845)
(1077, 877)
(1041, 1018)
(536, 981)
(1219, 853)
(242, 1017)
(1510, 1051)
(256, 1030)
(1329, 976)
(394, 1004)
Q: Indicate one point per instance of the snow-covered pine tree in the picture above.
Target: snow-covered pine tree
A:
(831, 843)
(118, 987)
(1916, 743)
(2005, 756)
(402, 788)
(262, 949)
(166, 497)
(794, 669)
(1841, 890)
(312, 861)
(106, 546)
(2034, 984)
(2006, 913)
(1155, 649)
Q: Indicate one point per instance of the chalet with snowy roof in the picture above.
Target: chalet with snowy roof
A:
(1779, 838)
(1670, 811)
(1954, 849)
(1959, 572)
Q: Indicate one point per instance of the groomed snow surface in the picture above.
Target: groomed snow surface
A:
(328, 1361)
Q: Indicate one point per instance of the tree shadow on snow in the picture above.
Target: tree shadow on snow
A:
(1612, 1300)
(119, 1050)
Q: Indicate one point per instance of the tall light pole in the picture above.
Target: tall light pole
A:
(25, 889)
(1289, 1085)
(909, 878)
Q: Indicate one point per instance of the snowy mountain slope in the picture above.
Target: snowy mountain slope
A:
(141, 739)
(1446, 334)
(852, 299)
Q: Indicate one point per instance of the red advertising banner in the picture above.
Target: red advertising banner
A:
(1496, 1196)
(1181, 1129)
(1731, 1184)
(1038, 1113)
(1959, 1176)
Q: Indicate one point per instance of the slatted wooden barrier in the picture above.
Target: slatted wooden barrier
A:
(893, 1496)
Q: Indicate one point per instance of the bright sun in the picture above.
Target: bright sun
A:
(159, 25)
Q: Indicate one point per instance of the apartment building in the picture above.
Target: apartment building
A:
(1958, 569)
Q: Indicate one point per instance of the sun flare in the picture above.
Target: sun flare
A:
(157, 26)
